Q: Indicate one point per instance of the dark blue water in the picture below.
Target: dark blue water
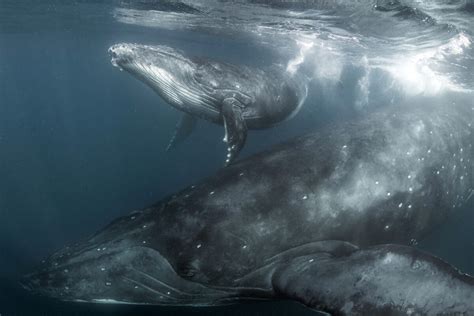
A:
(81, 143)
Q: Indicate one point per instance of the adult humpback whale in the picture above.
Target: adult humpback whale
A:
(239, 97)
(288, 224)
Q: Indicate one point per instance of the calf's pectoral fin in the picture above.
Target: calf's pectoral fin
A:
(381, 280)
(184, 128)
(235, 128)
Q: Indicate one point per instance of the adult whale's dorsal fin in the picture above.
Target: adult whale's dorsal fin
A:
(381, 280)
(235, 128)
(184, 128)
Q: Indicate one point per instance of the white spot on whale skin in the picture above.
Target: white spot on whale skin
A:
(389, 257)
(416, 265)
(198, 246)
(305, 197)
(347, 308)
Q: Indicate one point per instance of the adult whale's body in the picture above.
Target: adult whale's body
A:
(238, 97)
(288, 223)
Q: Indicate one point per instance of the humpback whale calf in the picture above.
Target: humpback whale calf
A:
(238, 97)
(326, 220)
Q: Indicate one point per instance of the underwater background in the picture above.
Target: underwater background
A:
(82, 143)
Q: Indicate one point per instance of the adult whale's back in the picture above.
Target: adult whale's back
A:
(389, 178)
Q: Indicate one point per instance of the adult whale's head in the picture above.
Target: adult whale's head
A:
(131, 261)
(168, 72)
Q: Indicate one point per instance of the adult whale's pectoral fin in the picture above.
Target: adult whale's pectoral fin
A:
(184, 128)
(382, 280)
(235, 128)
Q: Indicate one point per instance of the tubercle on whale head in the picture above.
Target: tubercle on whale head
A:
(119, 54)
